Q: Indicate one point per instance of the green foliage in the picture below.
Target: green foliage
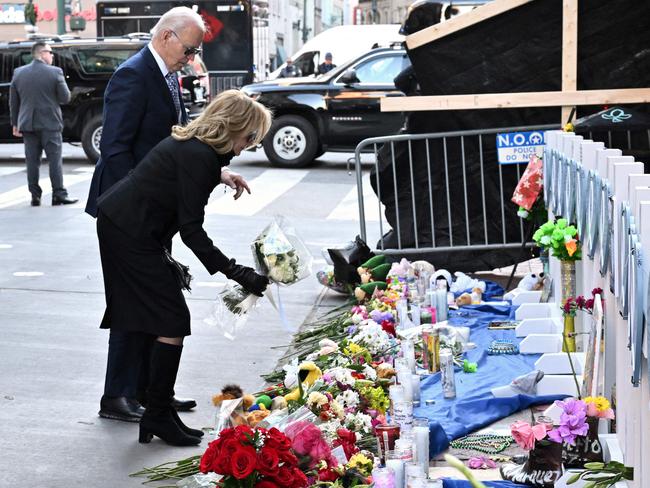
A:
(601, 475)
(30, 13)
(561, 238)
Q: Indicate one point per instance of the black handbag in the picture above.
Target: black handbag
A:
(181, 272)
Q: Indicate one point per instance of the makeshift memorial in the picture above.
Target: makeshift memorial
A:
(586, 447)
(544, 465)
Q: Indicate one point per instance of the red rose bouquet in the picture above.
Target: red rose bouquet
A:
(249, 458)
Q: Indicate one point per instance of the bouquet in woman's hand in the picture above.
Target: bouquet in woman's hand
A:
(280, 253)
(248, 457)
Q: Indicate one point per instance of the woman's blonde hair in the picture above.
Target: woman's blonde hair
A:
(231, 113)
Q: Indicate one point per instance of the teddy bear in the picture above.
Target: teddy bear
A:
(532, 282)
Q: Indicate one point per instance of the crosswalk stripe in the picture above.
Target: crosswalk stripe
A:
(10, 170)
(21, 194)
(348, 208)
(265, 188)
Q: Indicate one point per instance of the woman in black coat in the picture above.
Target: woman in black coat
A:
(165, 194)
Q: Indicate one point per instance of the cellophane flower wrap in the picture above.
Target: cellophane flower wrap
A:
(280, 253)
(231, 310)
(248, 457)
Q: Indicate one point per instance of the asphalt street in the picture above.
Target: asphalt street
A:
(52, 353)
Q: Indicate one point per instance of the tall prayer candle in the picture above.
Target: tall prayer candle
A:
(383, 477)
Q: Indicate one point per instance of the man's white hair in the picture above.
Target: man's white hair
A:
(178, 19)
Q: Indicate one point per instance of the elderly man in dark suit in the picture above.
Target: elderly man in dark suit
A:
(141, 104)
(36, 93)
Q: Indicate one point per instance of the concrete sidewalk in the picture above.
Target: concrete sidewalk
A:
(52, 360)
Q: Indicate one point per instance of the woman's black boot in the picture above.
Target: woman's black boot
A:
(185, 428)
(158, 418)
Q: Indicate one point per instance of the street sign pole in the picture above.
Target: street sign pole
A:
(60, 17)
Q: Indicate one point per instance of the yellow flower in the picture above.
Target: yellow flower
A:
(353, 349)
(601, 403)
(361, 463)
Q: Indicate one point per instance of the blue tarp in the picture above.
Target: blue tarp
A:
(474, 406)
(448, 483)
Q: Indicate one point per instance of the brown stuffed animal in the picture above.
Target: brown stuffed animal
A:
(464, 299)
(230, 392)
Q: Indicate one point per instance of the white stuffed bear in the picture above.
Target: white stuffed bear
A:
(532, 282)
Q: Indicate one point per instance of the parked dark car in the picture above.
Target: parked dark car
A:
(87, 65)
(332, 112)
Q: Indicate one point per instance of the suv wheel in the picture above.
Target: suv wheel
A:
(292, 142)
(91, 135)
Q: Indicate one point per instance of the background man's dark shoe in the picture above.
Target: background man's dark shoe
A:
(121, 408)
(36, 201)
(63, 201)
(183, 404)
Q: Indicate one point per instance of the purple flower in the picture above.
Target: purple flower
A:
(573, 421)
(572, 407)
(379, 316)
(352, 329)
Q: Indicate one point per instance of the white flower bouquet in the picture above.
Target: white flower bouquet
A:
(280, 253)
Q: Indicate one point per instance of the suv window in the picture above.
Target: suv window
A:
(102, 61)
(381, 70)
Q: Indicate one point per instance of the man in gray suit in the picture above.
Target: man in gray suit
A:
(37, 91)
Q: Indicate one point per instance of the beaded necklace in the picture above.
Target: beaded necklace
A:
(485, 443)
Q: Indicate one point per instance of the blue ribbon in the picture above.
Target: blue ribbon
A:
(593, 212)
(547, 175)
(605, 226)
(636, 316)
(581, 200)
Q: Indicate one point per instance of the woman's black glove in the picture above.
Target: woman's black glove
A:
(246, 277)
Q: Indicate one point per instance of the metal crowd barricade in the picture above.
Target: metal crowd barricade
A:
(459, 194)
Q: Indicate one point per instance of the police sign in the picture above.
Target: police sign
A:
(518, 147)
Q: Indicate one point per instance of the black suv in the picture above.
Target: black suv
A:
(87, 65)
(332, 112)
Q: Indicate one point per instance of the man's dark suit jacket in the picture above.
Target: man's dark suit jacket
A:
(138, 113)
(167, 193)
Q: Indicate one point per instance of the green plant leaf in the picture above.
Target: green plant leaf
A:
(573, 478)
(594, 465)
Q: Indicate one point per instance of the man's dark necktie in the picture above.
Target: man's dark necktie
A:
(172, 84)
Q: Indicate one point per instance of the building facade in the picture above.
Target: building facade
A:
(12, 19)
(382, 11)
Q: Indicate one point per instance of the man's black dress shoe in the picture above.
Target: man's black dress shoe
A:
(183, 404)
(121, 408)
(36, 201)
(63, 201)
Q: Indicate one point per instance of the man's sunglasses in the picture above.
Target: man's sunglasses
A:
(189, 50)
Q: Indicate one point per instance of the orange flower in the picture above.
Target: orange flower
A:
(571, 246)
